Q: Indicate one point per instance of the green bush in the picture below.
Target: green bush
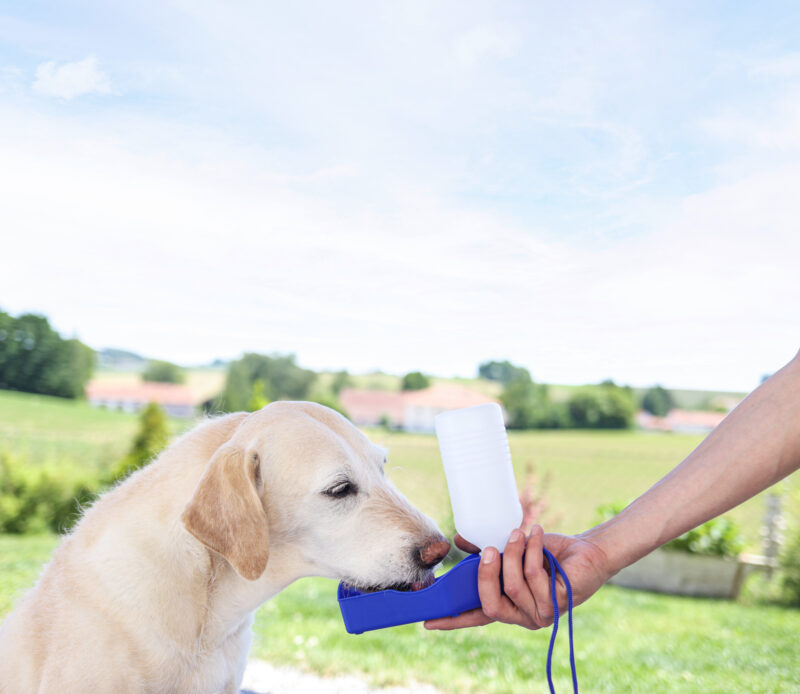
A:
(789, 558)
(607, 406)
(719, 537)
(149, 441)
(163, 372)
(42, 497)
(416, 380)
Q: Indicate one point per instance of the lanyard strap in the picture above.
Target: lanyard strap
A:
(555, 570)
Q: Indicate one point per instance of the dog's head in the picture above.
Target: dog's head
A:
(300, 474)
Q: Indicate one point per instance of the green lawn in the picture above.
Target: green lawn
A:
(627, 641)
(578, 470)
(47, 428)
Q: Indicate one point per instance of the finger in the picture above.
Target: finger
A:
(465, 546)
(473, 618)
(514, 584)
(537, 578)
(493, 603)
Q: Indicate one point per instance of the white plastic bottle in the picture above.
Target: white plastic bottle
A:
(477, 464)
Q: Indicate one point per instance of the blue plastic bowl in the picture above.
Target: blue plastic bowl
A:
(450, 595)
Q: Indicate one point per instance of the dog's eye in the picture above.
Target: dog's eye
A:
(341, 490)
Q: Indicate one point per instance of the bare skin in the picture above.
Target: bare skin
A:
(757, 445)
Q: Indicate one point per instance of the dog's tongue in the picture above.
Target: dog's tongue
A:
(427, 582)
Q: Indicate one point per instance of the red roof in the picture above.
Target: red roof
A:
(162, 393)
(371, 405)
(445, 396)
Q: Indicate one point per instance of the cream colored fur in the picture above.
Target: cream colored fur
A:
(155, 589)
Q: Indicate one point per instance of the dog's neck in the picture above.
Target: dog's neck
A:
(230, 600)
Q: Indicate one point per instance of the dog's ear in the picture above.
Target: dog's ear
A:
(225, 513)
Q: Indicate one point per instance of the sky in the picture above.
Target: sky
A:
(591, 190)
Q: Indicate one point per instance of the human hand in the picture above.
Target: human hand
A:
(526, 581)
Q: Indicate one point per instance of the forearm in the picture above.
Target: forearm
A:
(756, 445)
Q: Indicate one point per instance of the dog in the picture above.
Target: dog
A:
(155, 589)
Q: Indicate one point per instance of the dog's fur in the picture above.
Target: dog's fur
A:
(155, 589)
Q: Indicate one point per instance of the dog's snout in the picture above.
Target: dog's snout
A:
(432, 551)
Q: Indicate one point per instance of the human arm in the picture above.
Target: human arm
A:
(754, 447)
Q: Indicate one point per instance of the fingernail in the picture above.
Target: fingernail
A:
(488, 555)
(516, 536)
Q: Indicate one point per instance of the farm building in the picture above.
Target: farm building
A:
(177, 400)
(412, 410)
(680, 421)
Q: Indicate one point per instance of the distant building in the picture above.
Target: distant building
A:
(412, 410)
(177, 400)
(680, 421)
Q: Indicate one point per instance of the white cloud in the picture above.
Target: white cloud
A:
(69, 80)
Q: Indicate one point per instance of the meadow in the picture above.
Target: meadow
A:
(626, 640)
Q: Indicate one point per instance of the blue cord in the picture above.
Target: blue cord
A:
(555, 569)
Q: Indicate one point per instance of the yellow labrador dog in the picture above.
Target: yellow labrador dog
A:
(155, 589)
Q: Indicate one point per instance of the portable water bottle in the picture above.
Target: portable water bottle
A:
(480, 478)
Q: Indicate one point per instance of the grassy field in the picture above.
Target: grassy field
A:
(47, 428)
(578, 470)
(626, 641)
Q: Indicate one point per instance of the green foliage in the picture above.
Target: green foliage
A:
(416, 380)
(789, 559)
(341, 379)
(283, 380)
(607, 406)
(257, 397)
(719, 537)
(163, 372)
(331, 401)
(529, 406)
(34, 358)
(44, 497)
(658, 401)
(502, 371)
(150, 440)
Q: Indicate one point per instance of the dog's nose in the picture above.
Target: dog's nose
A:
(432, 551)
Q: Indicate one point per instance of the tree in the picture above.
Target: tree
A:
(150, 440)
(34, 358)
(502, 371)
(283, 380)
(341, 379)
(163, 372)
(658, 401)
(257, 397)
(416, 380)
(607, 406)
(529, 407)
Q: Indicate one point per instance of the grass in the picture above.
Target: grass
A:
(43, 428)
(626, 641)
(579, 470)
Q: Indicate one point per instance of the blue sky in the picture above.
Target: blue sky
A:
(592, 190)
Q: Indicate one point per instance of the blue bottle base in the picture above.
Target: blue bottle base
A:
(450, 595)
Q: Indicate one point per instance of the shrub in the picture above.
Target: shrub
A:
(607, 406)
(163, 372)
(416, 380)
(719, 537)
(529, 406)
(789, 558)
(658, 401)
(41, 498)
(150, 440)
